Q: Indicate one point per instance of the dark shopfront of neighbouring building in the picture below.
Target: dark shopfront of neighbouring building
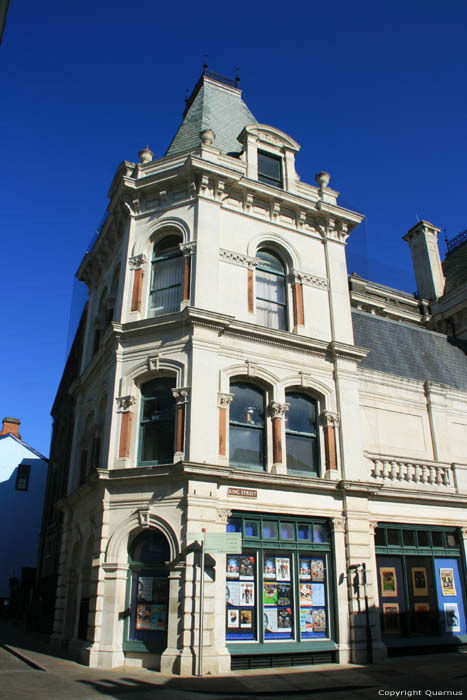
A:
(421, 584)
(280, 606)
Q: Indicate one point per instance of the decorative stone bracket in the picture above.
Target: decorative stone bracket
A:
(181, 395)
(330, 421)
(277, 411)
(124, 403)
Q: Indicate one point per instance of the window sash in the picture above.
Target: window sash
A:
(246, 445)
(166, 289)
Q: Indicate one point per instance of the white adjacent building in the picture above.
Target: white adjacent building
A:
(233, 378)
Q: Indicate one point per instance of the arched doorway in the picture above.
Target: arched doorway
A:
(148, 599)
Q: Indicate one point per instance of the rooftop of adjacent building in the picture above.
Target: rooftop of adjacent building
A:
(455, 262)
(10, 429)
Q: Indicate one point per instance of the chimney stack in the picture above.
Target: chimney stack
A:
(423, 243)
(11, 427)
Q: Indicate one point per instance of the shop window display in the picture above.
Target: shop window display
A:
(275, 595)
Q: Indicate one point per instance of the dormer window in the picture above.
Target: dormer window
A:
(270, 169)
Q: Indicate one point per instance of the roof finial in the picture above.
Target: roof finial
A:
(186, 96)
(237, 77)
(205, 64)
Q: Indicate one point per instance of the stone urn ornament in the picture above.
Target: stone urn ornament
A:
(322, 179)
(207, 137)
(146, 155)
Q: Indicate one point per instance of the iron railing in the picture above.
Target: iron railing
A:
(454, 242)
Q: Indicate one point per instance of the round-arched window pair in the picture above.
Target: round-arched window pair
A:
(247, 429)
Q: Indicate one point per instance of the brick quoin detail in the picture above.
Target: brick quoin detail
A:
(251, 305)
(186, 278)
(180, 422)
(297, 293)
(222, 431)
(276, 440)
(330, 446)
(137, 290)
(125, 434)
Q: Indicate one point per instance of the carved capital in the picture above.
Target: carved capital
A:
(181, 394)
(137, 262)
(143, 517)
(222, 515)
(309, 279)
(464, 532)
(124, 403)
(330, 418)
(187, 248)
(372, 525)
(224, 400)
(338, 524)
(278, 410)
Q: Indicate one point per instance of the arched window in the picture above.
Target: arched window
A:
(167, 276)
(247, 425)
(302, 433)
(149, 602)
(271, 306)
(157, 421)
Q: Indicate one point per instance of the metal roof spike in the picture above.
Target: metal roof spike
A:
(237, 77)
(205, 64)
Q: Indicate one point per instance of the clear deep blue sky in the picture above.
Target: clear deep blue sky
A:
(375, 93)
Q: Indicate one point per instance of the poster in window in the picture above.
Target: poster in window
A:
(317, 593)
(270, 620)
(158, 617)
(270, 594)
(419, 581)
(246, 619)
(448, 587)
(233, 593)
(246, 567)
(306, 594)
(233, 618)
(247, 593)
(388, 582)
(145, 588)
(391, 623)
(319, 620)
(284, 594)
(306, 620)
(284, 620)
(143, 617)
(282, 569)
(233, 567)
(317, 570)
(269, 567)
(305, 570)
(451, 616)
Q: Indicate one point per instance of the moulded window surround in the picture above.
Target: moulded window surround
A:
(301, 433)
(271, 290)
(157, 427)
(247, 426)
(22, 477)
(270, 169)
(167, 276)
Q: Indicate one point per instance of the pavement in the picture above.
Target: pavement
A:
(31, 670)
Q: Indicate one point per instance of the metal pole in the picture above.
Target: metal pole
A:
(201, 608)
(369, 641)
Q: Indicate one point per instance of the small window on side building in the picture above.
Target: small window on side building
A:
(22, 477)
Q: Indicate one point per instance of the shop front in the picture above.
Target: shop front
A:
(279, 592)
(421, 585)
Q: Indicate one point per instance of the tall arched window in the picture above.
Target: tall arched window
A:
(247, 425)
(302, 433)
(167, 276)
(271, 306)
(157, 421)
(149, 593)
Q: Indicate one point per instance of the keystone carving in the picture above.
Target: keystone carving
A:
(143, 516)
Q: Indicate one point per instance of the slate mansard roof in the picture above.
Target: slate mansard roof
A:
(409, 351)
(213, 105)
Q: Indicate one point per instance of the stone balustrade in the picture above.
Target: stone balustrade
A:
(401, 471)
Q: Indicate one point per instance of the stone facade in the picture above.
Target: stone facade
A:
(169, 355)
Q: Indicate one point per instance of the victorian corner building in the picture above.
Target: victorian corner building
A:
(228, 375)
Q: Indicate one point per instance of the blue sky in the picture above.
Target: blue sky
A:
(375, 93)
